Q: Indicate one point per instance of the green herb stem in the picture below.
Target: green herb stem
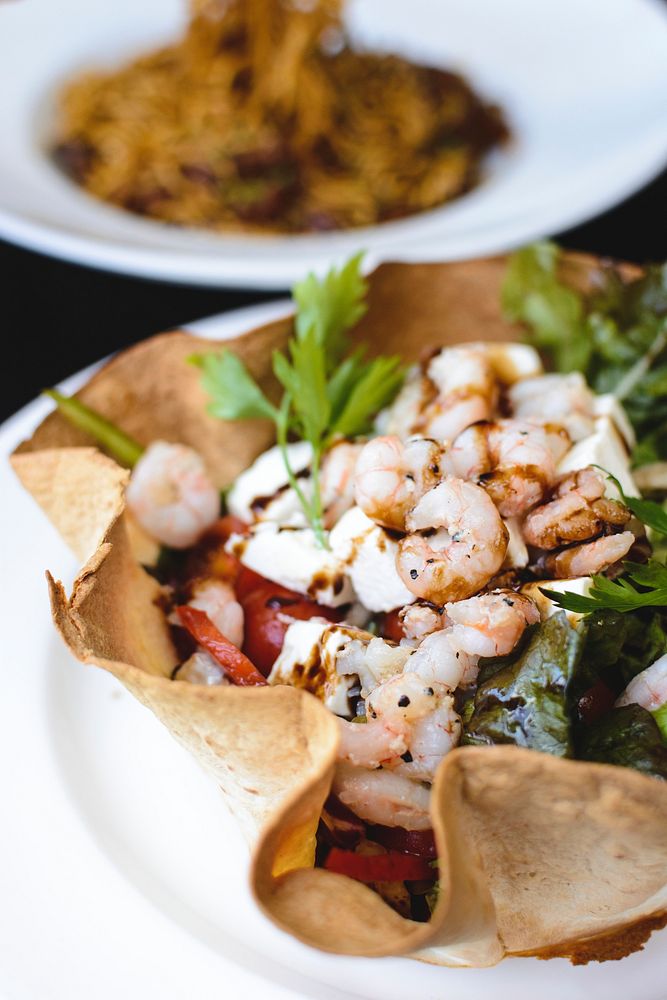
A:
(282, 424)
(660, 716)
(317, 518)
(112, 439)
(631, 379)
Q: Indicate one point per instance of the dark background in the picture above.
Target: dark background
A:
(57, 317)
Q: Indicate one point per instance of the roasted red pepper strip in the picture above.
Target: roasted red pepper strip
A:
(236, 665)
(390, 867)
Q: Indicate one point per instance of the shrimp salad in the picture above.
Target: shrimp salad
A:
(480, 488)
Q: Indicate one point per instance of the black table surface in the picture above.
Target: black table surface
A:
(59, 317)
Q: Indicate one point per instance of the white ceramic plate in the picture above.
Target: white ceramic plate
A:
(121, 872)
(583, 83)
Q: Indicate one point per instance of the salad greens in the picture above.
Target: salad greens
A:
(616, 334)
(617, 648)
(628, 736)
(328, 389)
(522, 698)
(533, 697)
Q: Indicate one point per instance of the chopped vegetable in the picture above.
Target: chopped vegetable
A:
(628, 736)
(237, 666)
(396, 838)
(327, 391)
(268, 609)
(112, 439)
(660, 716)
(390, 867)
(617, 647)
(522, 698)
(617, 334)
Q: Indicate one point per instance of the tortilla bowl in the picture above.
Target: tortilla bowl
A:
(538, 855)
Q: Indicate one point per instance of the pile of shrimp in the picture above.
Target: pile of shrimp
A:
(463, 476)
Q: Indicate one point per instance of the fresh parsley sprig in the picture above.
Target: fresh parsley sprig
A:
(621, 594)
(329, 390)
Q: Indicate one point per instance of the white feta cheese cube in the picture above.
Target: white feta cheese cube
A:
(607, 405)
(604, 447)
(292, 557)
(517, 553)
(308, 660)
(580, 585)
(265, 481)
(368, 553)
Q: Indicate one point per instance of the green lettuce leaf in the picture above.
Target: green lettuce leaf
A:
(628, 736)
(523, 698)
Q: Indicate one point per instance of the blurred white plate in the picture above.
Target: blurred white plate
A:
(121, 872)
(583, 83)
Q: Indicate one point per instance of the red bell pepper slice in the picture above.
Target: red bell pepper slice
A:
(236, 665)
(390, 867)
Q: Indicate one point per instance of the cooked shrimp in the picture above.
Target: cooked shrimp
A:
(649, 688)
(578, 511)
(457, 542)
(383, 797)
(563, 399)
(171, 494)
(408, 721)
(514, 460)
(218, 601)
(337, 480)
(411, 723)
(402, 416)
(201, 668)
(491, 624)
(485, 625)
(419, 620)
(440, 660)
(431, 739)
(466, 392)
(391, 476)
(589, 558)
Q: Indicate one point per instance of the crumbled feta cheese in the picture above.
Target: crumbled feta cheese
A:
(517, 553)
(604, 447)
(607, 405)
(266, 481)
(368, 553)
(579, 585)
(308, 660)
(292, 557)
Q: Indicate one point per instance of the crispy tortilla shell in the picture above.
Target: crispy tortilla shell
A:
(539, 856)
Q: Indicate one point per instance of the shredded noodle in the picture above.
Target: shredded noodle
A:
(264, 118)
